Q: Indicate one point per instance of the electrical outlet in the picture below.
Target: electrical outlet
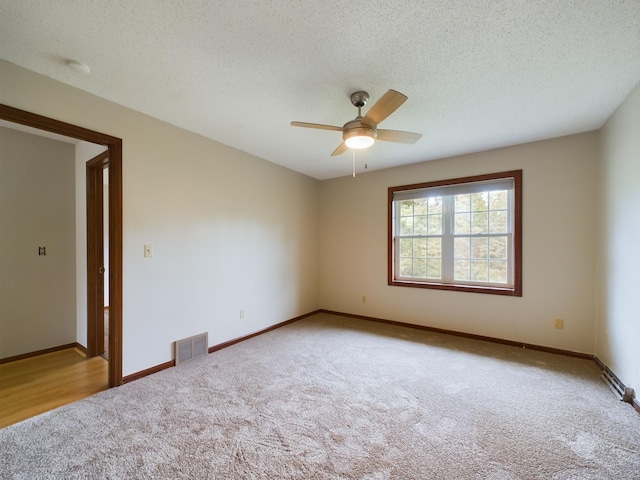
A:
(558, 323)
(364, 299)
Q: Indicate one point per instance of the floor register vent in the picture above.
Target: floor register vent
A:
(191, 347)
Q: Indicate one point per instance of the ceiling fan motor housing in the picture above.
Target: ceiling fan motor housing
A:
(358, 135)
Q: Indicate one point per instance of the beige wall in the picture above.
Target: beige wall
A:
(230, 231)
(618, 313)
(558, 247)
(37, 293)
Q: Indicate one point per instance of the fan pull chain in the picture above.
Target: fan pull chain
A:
(354, 163)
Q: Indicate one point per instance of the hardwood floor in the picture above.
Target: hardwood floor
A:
(38, 384)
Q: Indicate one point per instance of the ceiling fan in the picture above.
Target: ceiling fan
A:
(362, 132)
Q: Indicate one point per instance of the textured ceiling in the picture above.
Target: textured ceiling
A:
(479, 74)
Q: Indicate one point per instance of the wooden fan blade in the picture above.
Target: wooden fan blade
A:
(398, 136)
(340, 150)
(316, 125)
(384, 107)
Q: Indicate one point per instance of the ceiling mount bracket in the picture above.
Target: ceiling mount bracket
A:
(359, 99)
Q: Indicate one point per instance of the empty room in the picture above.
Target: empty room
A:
(319, 240)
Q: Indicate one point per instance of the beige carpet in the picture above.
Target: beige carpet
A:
(336, 398)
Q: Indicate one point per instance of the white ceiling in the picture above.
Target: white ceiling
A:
(479, 74)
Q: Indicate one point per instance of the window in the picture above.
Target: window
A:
(463, 234)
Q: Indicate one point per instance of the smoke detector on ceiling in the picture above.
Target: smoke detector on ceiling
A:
(79, 67)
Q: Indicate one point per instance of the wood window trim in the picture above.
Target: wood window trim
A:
(516, 290)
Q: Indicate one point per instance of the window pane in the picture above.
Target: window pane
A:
(406, 267)
(420, 206)
(406, 247)
(461, 248)
(463, 203)
(498, 200)
(479, 222)
(480, 201)
(406, 226)
(479, 270)
(406, 208)
(420, 247)
(498, 247)
(434, 248)
(480, 247)
(461, 270)
(420, 225)
(435, 224)
(498, 271)
(420, 267)
(498, 221)
(434, 268)
(463, 223)
(435, 205)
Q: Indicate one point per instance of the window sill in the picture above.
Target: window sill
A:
(506, 291)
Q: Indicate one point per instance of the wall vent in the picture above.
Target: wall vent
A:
(191, 347)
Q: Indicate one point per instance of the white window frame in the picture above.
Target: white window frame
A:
(446, 189)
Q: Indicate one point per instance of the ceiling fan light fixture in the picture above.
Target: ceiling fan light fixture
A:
(359, 138)
(362, 132)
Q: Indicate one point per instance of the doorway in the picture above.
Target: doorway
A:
(112, 159)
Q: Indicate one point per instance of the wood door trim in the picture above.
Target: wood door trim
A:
(95, 253)
(99, 161)
(114, 145)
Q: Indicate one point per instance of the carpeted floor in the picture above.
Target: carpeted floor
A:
(330, 397)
